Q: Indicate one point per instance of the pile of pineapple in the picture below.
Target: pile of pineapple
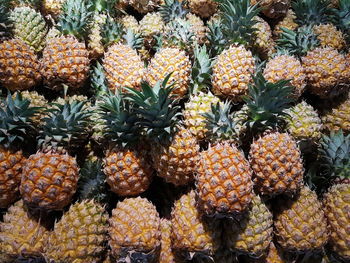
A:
(174, 131)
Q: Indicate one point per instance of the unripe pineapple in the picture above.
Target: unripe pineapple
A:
(53, 7)
(171, 60)
(303, 122)
(203, 8)
(286, 67)
(30, 26)
(70, 99)
(338, 117)
(95, 44)
(80, 235)
(300, 223)
(224, 183)
(287, 22)
(325, 70)
(191, 233)
(130, 22)
(120, 74)
(336, 207)
(152, 24)
(329, 36)
(167, 254)
(273, 8)
(232, 72)
(19, 67)
(276, 161)
(134, 231)
(263, 41)
(252, 234)
(21, 234)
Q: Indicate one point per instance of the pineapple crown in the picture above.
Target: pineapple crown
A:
(133, 40)
(65, 127)
(267, 103)
(311, 12)
(75, 18)
(98, 80)
(216, 39)
(341, 17)
(297, 42)
(101, 6)
(157, 109)
(335, 154)
(220, 123)
(120, 119)
(172, 9)
(237, 18)
(111, 32)
(91, 184)
(202, 69)
(15, 121)
(5, 21)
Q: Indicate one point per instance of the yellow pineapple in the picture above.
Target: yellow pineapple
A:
(197, 27)
(263, 42)
(130, 22)
(95, 45)
(329, 36)
(53, 7)
(167, 254)
(287, 22)
(337, 117)
(273, 8)
(152, 24)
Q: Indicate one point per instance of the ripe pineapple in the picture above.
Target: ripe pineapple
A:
(49, 178)
(203, 8)
(30, 26)
(234, 67)
(65, 59)
(337, 117)
(174, 150)
(167, 254)
(19, 67)
(134, 231)
(126, 164)
(80, 235)
(273, 8)
(95, 45)
(170, 60)
(287, 22)
(130, 22)
(263, 42)
(191, 234)
(53, 7)
(142, 6)
(336, 206)
(274, 255)
(15, 129)
(303, 123)
(197, 27)
(21, 234)
(329, 36)
(252, 234)
(152, 24)
(286, 66)
(300, 224)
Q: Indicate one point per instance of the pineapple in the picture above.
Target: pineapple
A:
(95, 45)
(126, 165)
(152, 24)
(273, 8)
(203, 8)
(143, 6)
(192, 236)
(53, 7)
(130, 22)
(167, 254)
(287, 22)
(303, 123)
(170, 60)
(252, 234)
(235, 65)
(336, 206)
(274, 255)
(80, 235)
(329, 36)
(16, 129)
(337, 117)
(66, 60)
(134, 231)
(300, 222)
(263, 42)
(19, 66)
(284, 66)
(30, 26)
(174, 150)
(21, 234)
(50, 176)
(197, 27)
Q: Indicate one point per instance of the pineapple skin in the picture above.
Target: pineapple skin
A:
(21, 234)
(134, 227)
(30, 26)
(152, 24)
(283, 67)
(123, 67)
(128, 172)
(329, 36)
(19, 66)
(167, 254)
(95, 46)
(53, 7)
(65, 61)
(49, 180)
(203, 8)
(176, 161)
(277, 165)
(80, 235)
(300, 222)
(338, 118)
(263, 41)
(171, 60)
(325, 70)
(224, 181)
(273, 8)
(253, 233)
(232, 73)
(336, 206)
(11, 163)
(197, 27)
(130, 22)
(287, 22)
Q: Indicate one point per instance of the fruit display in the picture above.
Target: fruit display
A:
(174, 131)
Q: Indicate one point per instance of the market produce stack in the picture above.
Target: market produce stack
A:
(174, 131)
